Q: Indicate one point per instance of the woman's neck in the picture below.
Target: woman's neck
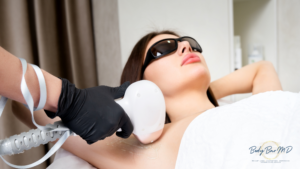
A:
(187, 103)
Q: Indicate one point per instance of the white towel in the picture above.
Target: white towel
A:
(64, 159)
(221, 137)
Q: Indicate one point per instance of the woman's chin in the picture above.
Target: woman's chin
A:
(195, 70)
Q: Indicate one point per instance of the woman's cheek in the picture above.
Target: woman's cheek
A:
(166, 75)
(168, 81)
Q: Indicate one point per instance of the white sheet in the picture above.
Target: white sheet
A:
(64, 159)
(221, 137)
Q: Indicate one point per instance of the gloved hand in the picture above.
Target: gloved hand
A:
(92, 113)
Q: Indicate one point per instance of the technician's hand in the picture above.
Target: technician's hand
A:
(92, 113)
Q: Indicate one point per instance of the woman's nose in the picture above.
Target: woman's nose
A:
(184, 47)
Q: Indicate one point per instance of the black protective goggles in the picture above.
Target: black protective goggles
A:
(166, 46)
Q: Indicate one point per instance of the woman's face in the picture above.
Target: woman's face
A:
(168, 74)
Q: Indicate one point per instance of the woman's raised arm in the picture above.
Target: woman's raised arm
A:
(256, 78)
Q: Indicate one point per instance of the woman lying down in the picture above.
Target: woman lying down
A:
(197, 132)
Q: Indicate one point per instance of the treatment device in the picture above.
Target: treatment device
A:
(143, 102)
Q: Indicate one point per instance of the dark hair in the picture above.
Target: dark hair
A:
(133, 67)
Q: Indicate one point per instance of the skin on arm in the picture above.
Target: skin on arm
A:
(24, 115)
(10, 82)
(257, 77)
(266, 79)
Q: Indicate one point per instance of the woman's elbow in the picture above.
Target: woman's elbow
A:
(266, 78)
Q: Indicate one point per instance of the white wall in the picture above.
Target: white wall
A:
(289, 44)
(207, 21)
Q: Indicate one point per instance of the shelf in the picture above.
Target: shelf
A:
(255, 22)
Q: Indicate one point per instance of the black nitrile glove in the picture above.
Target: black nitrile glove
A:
(92, 113)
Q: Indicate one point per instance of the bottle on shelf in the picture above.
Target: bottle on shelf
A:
(237, 53)
(255, 54)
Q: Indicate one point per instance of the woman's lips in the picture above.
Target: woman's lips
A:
(190, 58)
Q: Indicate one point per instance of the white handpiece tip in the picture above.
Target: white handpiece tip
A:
(149, 138)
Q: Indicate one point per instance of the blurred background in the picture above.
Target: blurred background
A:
(89, 41)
